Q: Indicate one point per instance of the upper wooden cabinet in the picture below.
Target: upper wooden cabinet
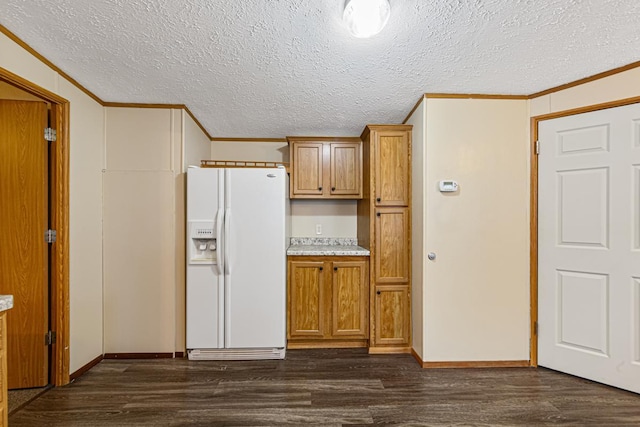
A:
(392, 167)
(325, 168)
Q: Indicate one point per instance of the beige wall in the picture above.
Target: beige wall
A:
(258, 150)
(418, 121)
(86, 163)
(17, 60)
(140, 230)
(197, 145)
(147, 152)
(618, 86)
(475, 295)
(337, 218)
(85, 225)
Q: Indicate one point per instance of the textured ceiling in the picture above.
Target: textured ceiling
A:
(271, 68)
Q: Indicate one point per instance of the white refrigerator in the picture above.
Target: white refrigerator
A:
(237, 235)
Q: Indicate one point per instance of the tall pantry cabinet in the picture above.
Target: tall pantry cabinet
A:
(384, 221)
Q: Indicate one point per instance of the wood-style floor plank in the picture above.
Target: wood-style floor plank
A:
(325, 387)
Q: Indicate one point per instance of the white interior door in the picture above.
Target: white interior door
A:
(589, 246)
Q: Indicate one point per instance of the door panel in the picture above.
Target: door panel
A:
(350, 299)
(255, 261)
(308, 164)
(392, 168)
(588, 251)
(23, 250)
(584, 207)
(583, 311)
(345, 169)
(205, 282)
(307, 295)
(392, 314)
(635, 333)
(636, 207)
(392, 245)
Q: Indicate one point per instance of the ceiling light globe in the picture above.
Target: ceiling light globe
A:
(366, 18)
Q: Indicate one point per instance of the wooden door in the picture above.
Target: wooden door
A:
(23, 250)
(392, 245)
(346, 166)
(308, 169)
(392, 168)
(4, 411)
(350, 299)
(391, 305)
(307, 304)
(589, 246)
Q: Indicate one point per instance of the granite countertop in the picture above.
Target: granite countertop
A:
(326, 246)
(6, 302)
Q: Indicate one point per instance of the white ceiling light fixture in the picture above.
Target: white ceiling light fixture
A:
(366, 18)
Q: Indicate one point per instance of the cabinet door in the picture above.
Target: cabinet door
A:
(391, 305)
(308, 165)
(350, 299)
(392, 168)
(346, 166)
(392, 245)
(307, 296)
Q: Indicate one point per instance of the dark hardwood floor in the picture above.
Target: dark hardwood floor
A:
(327, 387)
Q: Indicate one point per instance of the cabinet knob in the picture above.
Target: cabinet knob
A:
(335, 268)
(378, 292)
(377, 213)
(320, 268)
(378, 199)
(319, 188)
(333, 188)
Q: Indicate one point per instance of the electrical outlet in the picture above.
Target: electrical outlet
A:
(318, 229)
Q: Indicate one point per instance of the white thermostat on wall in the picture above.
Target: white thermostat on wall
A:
(448, 186)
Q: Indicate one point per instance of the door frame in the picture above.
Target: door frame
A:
(533, 249)
(59, 220)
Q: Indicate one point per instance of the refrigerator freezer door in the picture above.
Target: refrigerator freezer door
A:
(256, 285)
(205, 283)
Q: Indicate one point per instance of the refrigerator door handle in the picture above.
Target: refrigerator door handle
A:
(221, 243)
(227, 243)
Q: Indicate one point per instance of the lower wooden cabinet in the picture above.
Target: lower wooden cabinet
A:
(307, 300)
(391, 313)
(328, 301)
